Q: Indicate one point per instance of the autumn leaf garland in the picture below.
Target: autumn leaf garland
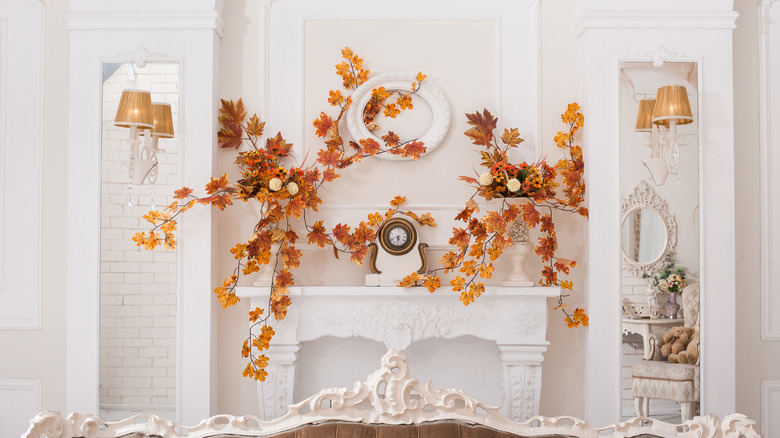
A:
(481, 240)
(286, 195)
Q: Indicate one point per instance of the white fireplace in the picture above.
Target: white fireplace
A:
(514, 318)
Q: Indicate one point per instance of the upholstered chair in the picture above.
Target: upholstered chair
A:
(659, 379)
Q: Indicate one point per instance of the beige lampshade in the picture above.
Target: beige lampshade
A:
(671, 102)
(644, 117)
(163, 122)
(135, 109)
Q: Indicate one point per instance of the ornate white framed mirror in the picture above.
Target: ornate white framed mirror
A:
(648, 230)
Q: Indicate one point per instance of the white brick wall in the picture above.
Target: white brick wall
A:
(138, 287)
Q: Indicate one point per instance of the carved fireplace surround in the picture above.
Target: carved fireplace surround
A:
(515, 318)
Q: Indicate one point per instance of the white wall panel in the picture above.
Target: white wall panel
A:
(21, 112)
(769, 64)
(770, 408)
(20, 401)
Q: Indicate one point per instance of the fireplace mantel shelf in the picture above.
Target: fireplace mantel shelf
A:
(515, 318)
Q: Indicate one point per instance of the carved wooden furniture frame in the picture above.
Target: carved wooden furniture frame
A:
(389, 396)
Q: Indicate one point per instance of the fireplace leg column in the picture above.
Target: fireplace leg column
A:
(521, 380)
(276, 393)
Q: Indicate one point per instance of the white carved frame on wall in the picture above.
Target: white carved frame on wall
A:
(282, 48)
(21, 143)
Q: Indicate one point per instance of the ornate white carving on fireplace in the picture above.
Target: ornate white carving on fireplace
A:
(515, 318)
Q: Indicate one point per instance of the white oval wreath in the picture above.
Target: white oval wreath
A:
(440, 110)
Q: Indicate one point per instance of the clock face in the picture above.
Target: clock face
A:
(397, 236)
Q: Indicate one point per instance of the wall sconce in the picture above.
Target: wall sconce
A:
(137, 112)
(661, 117)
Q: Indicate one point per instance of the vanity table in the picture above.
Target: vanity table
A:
(645, 326)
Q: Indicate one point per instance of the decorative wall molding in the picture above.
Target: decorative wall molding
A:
(21, 144)
(162, 20)
(20, 400)
(660, 55)
(672, 19)
(398, 324)
(770, 408)
(769, 100)
(397, 317)
(517, 45)
(141, 56)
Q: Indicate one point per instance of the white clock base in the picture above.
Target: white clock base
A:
(374, 280)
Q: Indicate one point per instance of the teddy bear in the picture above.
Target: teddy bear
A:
(691, 353)
(675, 341)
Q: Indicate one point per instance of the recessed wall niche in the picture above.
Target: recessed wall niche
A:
(138, 288)
(645, 238)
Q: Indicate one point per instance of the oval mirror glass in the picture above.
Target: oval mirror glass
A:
(644, 235)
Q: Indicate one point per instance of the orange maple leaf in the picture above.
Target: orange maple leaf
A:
(317, 235)
(255, 127)
(414, 149)
(323, 124)
(359, 254)
(329, 157)
(182, 193)
(460, 238)
(398, 200)
(370, 146)
(217, 184)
